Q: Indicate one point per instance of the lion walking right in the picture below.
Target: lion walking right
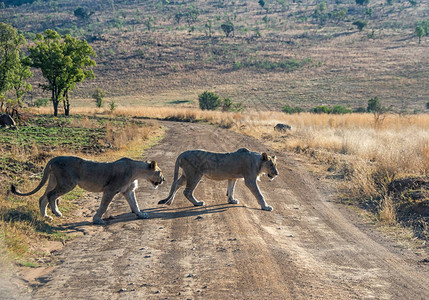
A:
(222, 166)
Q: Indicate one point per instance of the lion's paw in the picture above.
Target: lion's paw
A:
(267, 208)
(233, 201)
(97, 221)
(49, 218)
(143, 216)
(199, 203)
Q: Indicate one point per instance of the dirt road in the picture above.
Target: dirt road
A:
(307, 248)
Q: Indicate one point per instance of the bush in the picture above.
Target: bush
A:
(374, 105)
(98, 96)
(41, 102)
(321, 109)
(360, 24)
(359, 110)
(340, 110)
(227, 28)
(209, 101)
(291, 110)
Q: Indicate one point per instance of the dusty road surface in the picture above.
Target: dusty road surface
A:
(307, 248)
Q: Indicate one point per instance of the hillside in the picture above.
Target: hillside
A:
(287, 52)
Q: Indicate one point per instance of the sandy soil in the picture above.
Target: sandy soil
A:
(309, 247)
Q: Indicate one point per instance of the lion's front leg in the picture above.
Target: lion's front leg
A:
(230, 192)
(131, 199)
(254, 188)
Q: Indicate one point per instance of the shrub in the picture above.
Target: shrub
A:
(228, 105)
(112, 106)
(41, 102)
(340, 110)
(321, 109)
(374, 105)
(82, 13)
(98, 96)
(227, 28)
(291, 110)
(360, 24)
(360, 110)
(209, 101)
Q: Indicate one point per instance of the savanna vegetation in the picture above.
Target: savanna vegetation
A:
(348, 76)
(23, 155)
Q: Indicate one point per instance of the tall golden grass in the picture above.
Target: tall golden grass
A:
(400, 143)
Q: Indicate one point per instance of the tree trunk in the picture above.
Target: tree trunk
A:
(55, 107)
(66, 104)
(55, 103)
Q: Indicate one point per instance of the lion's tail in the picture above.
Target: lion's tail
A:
(174, 187)
(45, 177)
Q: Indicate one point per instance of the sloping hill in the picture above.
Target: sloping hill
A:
(286, 52)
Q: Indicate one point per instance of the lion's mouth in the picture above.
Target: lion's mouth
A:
(271, 177)
(157, 183)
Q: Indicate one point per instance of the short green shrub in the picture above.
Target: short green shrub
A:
(41, 102)
(321, 109)
(291, 110)
(340, 110)
(209, 101)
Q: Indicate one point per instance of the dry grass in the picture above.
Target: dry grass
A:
(400, 144)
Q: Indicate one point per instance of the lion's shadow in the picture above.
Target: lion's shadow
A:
(161, 213)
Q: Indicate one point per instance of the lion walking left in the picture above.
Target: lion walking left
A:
(111, 178)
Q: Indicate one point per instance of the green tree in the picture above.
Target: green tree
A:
(82, 13)
(227, 28)
(191, 15)
(149, 23)
(64, 62)
(209, 26)
(374, 105)
(19, 83)
(362, 2)
(98, 96)
(262, 3)
(420, 32)
(360, 24)
(209, 101)
(338, 15)
(12, 72)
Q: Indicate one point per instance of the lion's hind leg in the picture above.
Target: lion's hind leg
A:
(174, 187)
(58, 191)
(44, 201)
(105, 201)
(191, 183)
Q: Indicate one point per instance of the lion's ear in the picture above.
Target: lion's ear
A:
(264, 156)
(274, 158)
(153, 164)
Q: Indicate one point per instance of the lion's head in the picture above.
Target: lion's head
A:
(157, 177)
(269, 165)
